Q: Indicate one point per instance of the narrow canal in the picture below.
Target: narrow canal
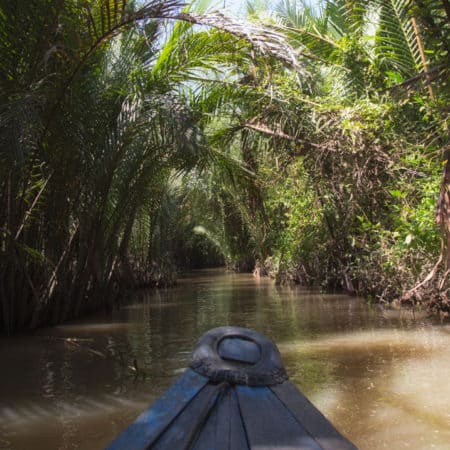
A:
(382, 377)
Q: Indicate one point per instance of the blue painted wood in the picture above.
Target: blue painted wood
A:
(268, 424)
(241, 350)
(311, 418)
(224, 429)
(152, 422)
(191, 420)
(234, 397)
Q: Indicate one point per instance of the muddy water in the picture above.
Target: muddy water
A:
(382, 377)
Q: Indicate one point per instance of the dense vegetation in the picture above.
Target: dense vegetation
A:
(138, 139)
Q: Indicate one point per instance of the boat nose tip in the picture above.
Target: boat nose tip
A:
(239, 349)
(239, 356)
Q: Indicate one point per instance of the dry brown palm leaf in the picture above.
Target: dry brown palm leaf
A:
(264, 39)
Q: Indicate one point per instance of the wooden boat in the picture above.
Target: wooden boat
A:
(235, 395)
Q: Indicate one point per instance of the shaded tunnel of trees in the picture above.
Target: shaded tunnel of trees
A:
(138, 139)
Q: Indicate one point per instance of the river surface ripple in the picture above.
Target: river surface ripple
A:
(382, 377)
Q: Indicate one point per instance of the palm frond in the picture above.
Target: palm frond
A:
(264, 39)
(396, 42)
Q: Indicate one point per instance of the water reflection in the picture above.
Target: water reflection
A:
(381, 376)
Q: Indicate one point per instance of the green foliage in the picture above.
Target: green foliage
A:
(297, 215)
(90, 135)
(315, 141)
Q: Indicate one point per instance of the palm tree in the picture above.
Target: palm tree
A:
(95, 119)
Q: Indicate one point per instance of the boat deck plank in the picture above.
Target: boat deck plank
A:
(311, 418)
(153, 421)
(269, 425)
(224, 429)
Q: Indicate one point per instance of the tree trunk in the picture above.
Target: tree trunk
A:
(443, 211)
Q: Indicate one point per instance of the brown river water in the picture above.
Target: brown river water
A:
(382, 377)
